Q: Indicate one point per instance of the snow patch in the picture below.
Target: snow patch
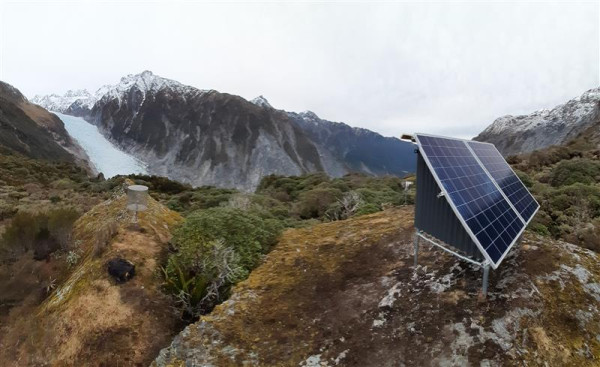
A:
(261, 102)
(82, 99)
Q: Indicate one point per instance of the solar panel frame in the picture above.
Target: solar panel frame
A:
(488, 259)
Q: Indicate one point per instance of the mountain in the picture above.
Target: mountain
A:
(30, 130)
(72, 102)
(360, 150)
(205, 137)
(526, 133)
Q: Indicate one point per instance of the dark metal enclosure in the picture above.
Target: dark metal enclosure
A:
(434, 215)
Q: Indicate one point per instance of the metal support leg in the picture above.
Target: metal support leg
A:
(486, 275)
(416, 242)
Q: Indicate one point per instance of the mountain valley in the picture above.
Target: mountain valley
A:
(285, 240)
(204, 137)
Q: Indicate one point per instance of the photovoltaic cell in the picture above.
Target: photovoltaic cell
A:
(479, 203)
(505, 177)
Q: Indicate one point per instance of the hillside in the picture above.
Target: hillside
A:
(565, 181)
(29, 129)
(88, 318)
(544, 128)
(345, 293)
(204, 137)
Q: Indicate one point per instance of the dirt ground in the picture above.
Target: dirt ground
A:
(346, 293)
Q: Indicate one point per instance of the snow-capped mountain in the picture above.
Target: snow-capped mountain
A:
(204, 137)
(71, 100)
(80, 102)
(261, 102)
(526, 133)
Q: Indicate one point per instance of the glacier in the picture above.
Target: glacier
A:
(105, 156)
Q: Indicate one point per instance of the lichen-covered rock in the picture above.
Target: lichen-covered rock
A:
(346, 293)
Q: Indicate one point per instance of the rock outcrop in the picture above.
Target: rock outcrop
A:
(346, 293)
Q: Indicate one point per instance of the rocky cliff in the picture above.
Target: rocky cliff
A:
(526, 133)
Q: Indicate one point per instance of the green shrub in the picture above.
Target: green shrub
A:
(539, 228)
(524, 177)
(216, 248)
(578, 198)
(63, 184)
(248, 233)
(21, 234)
(198, 291)
(60, 225)
(35, 231)
(585, 171)
(314, 203)
(6, 210)
(368, 208)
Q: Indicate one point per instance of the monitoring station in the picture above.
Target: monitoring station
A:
(137, 200)
(469, 201)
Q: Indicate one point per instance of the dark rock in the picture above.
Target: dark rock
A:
(120, 269)
(44, 245)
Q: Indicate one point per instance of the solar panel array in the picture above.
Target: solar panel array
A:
(508, 181)
(472, 177)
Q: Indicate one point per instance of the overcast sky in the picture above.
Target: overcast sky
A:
(443, 68)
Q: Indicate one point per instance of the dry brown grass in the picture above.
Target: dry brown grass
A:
(91, 320)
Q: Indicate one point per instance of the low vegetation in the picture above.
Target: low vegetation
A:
(224, 236)
(216, 248)
(566, 182)
(41, 233)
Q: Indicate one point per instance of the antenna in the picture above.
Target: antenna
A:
(137, 200)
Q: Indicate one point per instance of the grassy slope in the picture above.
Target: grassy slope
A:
(346, 291)
(89, 319)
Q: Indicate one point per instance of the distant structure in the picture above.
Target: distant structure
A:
(469, 201)
(137, 199)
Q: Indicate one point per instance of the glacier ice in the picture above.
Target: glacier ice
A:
(105, 156)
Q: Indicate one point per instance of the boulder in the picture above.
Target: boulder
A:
(121, 269)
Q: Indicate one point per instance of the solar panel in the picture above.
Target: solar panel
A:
(506, 178)
(483, 209)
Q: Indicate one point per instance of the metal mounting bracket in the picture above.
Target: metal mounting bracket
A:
(484, 265)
